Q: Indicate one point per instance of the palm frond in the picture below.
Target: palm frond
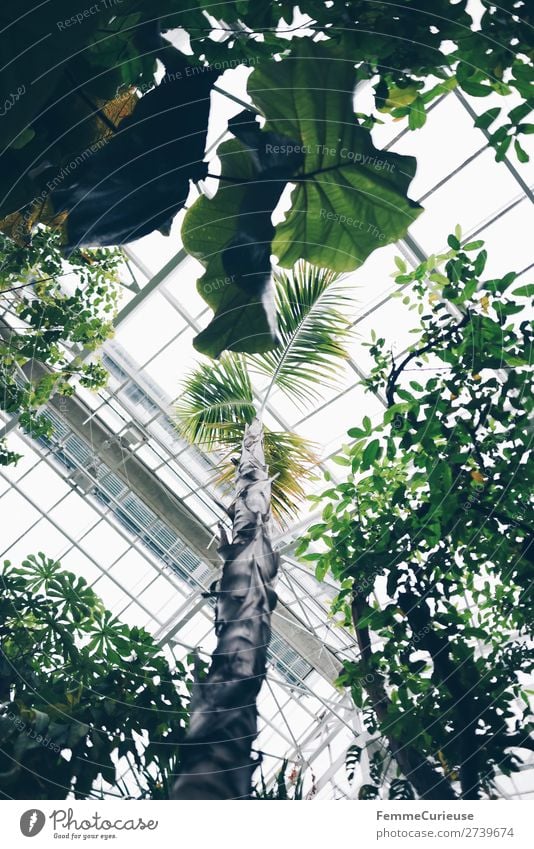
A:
(291, 463)
(217, 400)
(314, 329)
(215, 404)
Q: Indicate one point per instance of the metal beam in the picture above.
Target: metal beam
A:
(150, 287)
(108, 448)
(305, 643)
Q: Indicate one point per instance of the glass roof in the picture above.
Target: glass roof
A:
(119, 498)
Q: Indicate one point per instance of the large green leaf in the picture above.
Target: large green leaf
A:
(209, 227)
(353, 197)
(53, 90)
(36, 46)
(137, 182)
(231, 235)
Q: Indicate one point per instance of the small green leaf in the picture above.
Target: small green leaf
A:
(525, 291)
(341, 461)
(522, 155)
(417, 114)
(483, 121)
(370, 454)
(356, 433)
(502, 148)
(321, 569)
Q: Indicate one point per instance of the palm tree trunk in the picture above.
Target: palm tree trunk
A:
(216, 757)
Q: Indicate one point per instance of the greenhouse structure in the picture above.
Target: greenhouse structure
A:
(265, 399)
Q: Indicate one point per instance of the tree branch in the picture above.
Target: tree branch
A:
(428, 782)
(425, 349)
(420, 620)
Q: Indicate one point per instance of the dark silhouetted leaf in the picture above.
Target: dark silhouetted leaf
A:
(368, 791)
(139, 180)
(352, 758)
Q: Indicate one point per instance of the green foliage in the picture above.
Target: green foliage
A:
(8, 458)
(79, 140)
(217, 400)
(244, 318)
(138, 178)
(285, 787)
(216, 404)
(435, 516)
(403, 48)
(349, 198)
(67, 81)
(311, 304)
(68, 160)
(80, 690)
(352, 197)
(46, 321)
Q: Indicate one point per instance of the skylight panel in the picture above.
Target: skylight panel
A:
(468, 198)
(175, 360)
(132, 571)
(155, 250)
(510, 250)
(104, 544)
(445, 141)
(147, 330)
(74, 512)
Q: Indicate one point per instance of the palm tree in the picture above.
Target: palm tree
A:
(219, 411)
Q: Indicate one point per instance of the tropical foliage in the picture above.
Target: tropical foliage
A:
(310, 100)
(218, 400)
(349, 198)
(218, 409)
(81, 143)
(51, 311)
(402, 48)
(434, 517)
(75, 128)
(83, 697)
